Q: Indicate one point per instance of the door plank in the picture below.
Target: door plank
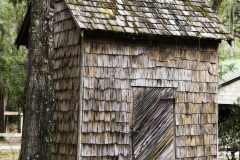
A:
(153, 124)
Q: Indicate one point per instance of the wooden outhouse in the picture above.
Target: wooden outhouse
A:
(136, 80)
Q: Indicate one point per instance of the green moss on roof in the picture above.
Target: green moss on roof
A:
(119, 11)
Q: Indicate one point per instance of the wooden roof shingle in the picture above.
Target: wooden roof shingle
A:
(191, 18)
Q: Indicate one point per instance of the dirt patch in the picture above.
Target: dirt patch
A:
(10, 141)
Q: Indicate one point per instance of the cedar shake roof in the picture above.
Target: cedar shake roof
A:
(185, 18)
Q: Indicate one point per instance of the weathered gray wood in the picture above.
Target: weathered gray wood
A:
(139, 116)
(113, 66)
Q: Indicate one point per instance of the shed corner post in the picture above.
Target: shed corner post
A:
(174, 121)
(81, 69)
(217, 109)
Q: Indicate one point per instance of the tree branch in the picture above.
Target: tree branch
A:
(236, 34)
(216, 4)
(2, 36)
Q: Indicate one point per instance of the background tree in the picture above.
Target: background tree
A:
(12, 61)
(36, 143)
(229, 14)
(228, 11)
(215, 5)
(229, 130)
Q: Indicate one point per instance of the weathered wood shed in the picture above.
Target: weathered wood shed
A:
(135, 80)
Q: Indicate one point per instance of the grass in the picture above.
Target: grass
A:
(9, 154)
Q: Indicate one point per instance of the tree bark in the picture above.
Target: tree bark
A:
(8, 102)
(2, 129)
(36, 142)
(233, 156)
(216, 4)
(19, 120)
(231, 26)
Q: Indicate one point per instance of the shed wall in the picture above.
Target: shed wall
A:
(66, 85)
(112, 66)
(229, 93)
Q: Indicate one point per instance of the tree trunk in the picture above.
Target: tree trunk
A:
(19, 120)
(2, 129)
(36, 142)
(216, 4)
(8, 102)
(233, 156)
(231, 26)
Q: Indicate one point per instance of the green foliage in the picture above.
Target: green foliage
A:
(229, 128)
(12, 61)
(224, 69)
(232, 23)
(229, 117)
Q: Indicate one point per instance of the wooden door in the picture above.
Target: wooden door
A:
(153, 124)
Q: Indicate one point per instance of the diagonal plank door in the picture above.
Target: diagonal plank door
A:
(153, 124)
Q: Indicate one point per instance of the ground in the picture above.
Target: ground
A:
(9, 154)
(10, 141)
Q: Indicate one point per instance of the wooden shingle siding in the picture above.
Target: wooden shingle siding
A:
(113, 66)
(66, 85)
